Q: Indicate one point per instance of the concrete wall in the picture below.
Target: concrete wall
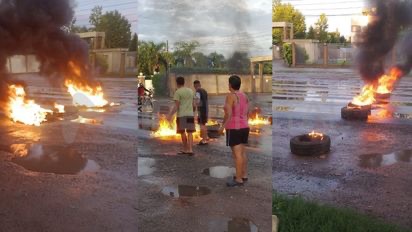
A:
(113, 58)
(218, 84)
(23, 64)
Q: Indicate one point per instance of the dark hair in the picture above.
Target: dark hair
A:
(234, 82)
(180, 81)
(196, 82)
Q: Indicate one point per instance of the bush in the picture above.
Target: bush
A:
(186, 70)
(159, 86)
(287, 53)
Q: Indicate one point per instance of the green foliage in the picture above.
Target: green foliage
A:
(311, 33)
(152, 56)
(115, 25)
(203, 70)
(159, 85)
(216, 60)
(95, 16)
(183, 53)
(296, 214)
(322, 28)
(133, 43)
(287, 53)
(200, 60)
(287, 13)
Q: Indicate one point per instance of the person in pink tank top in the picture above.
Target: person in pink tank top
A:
(235, 123)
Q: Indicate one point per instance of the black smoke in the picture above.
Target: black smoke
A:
(391, 19)
(36, 27)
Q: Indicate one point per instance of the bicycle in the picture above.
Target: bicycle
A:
(146, 102)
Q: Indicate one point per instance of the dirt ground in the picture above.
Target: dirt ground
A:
(369, 166)
(99, 200)
(222, 207)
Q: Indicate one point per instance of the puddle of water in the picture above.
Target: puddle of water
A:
(232, 225)
(219, 172)
(51, 159)
(90, 121)
(185, 191)
(379, 160)
(145, 166)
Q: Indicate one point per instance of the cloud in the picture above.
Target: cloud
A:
(223, 26)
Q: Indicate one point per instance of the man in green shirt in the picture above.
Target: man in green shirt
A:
(185, 120)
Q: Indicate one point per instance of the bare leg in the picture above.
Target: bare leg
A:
(238, 158)
(190, 142)
(244, 169)
(184, 141)
(203, 134)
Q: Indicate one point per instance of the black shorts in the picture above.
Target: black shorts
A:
(237, 136)
(185, 124)
(202, 118)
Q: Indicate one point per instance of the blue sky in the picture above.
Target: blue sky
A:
(127, 8)
(221, 26)
(339, 12)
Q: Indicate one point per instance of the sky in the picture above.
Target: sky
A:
(223, 26)
(338, 12)
(127, 8)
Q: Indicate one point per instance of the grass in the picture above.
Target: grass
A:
(298, 215)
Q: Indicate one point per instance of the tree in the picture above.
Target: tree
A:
(311, 33)
(216, 60)
(238, 62)
(322, 28)
(96, 16)
(200, 60)
(287, 13)
(116, 27)
(73, 28)
(152, 56)
(183, 53)
(133, 43)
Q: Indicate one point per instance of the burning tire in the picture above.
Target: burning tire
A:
(305, 145)
(213, 131)
(355, 113)
(382, 98)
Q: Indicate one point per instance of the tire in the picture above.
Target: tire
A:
(213, 131)
(382, 98)
(360, 114)
(300, 145)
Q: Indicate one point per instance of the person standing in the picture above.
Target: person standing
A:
(185, 121)
(235, 123)
(202, 111)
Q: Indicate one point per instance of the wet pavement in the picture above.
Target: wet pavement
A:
(189, 193)
(368, 168)
(66, 175)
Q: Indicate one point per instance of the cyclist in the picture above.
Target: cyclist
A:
(141, 90)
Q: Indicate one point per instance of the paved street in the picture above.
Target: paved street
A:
(167, 195)
(100, 155)
(369, 165)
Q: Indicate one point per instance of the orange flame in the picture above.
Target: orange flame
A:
(386, 82)
(59, 108)
(83, 94)
(316, 135)
(25, 111)
(167, 129)
(258, 120)
(366, 97)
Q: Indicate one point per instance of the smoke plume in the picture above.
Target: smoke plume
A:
(35, 27)
(390, 19)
